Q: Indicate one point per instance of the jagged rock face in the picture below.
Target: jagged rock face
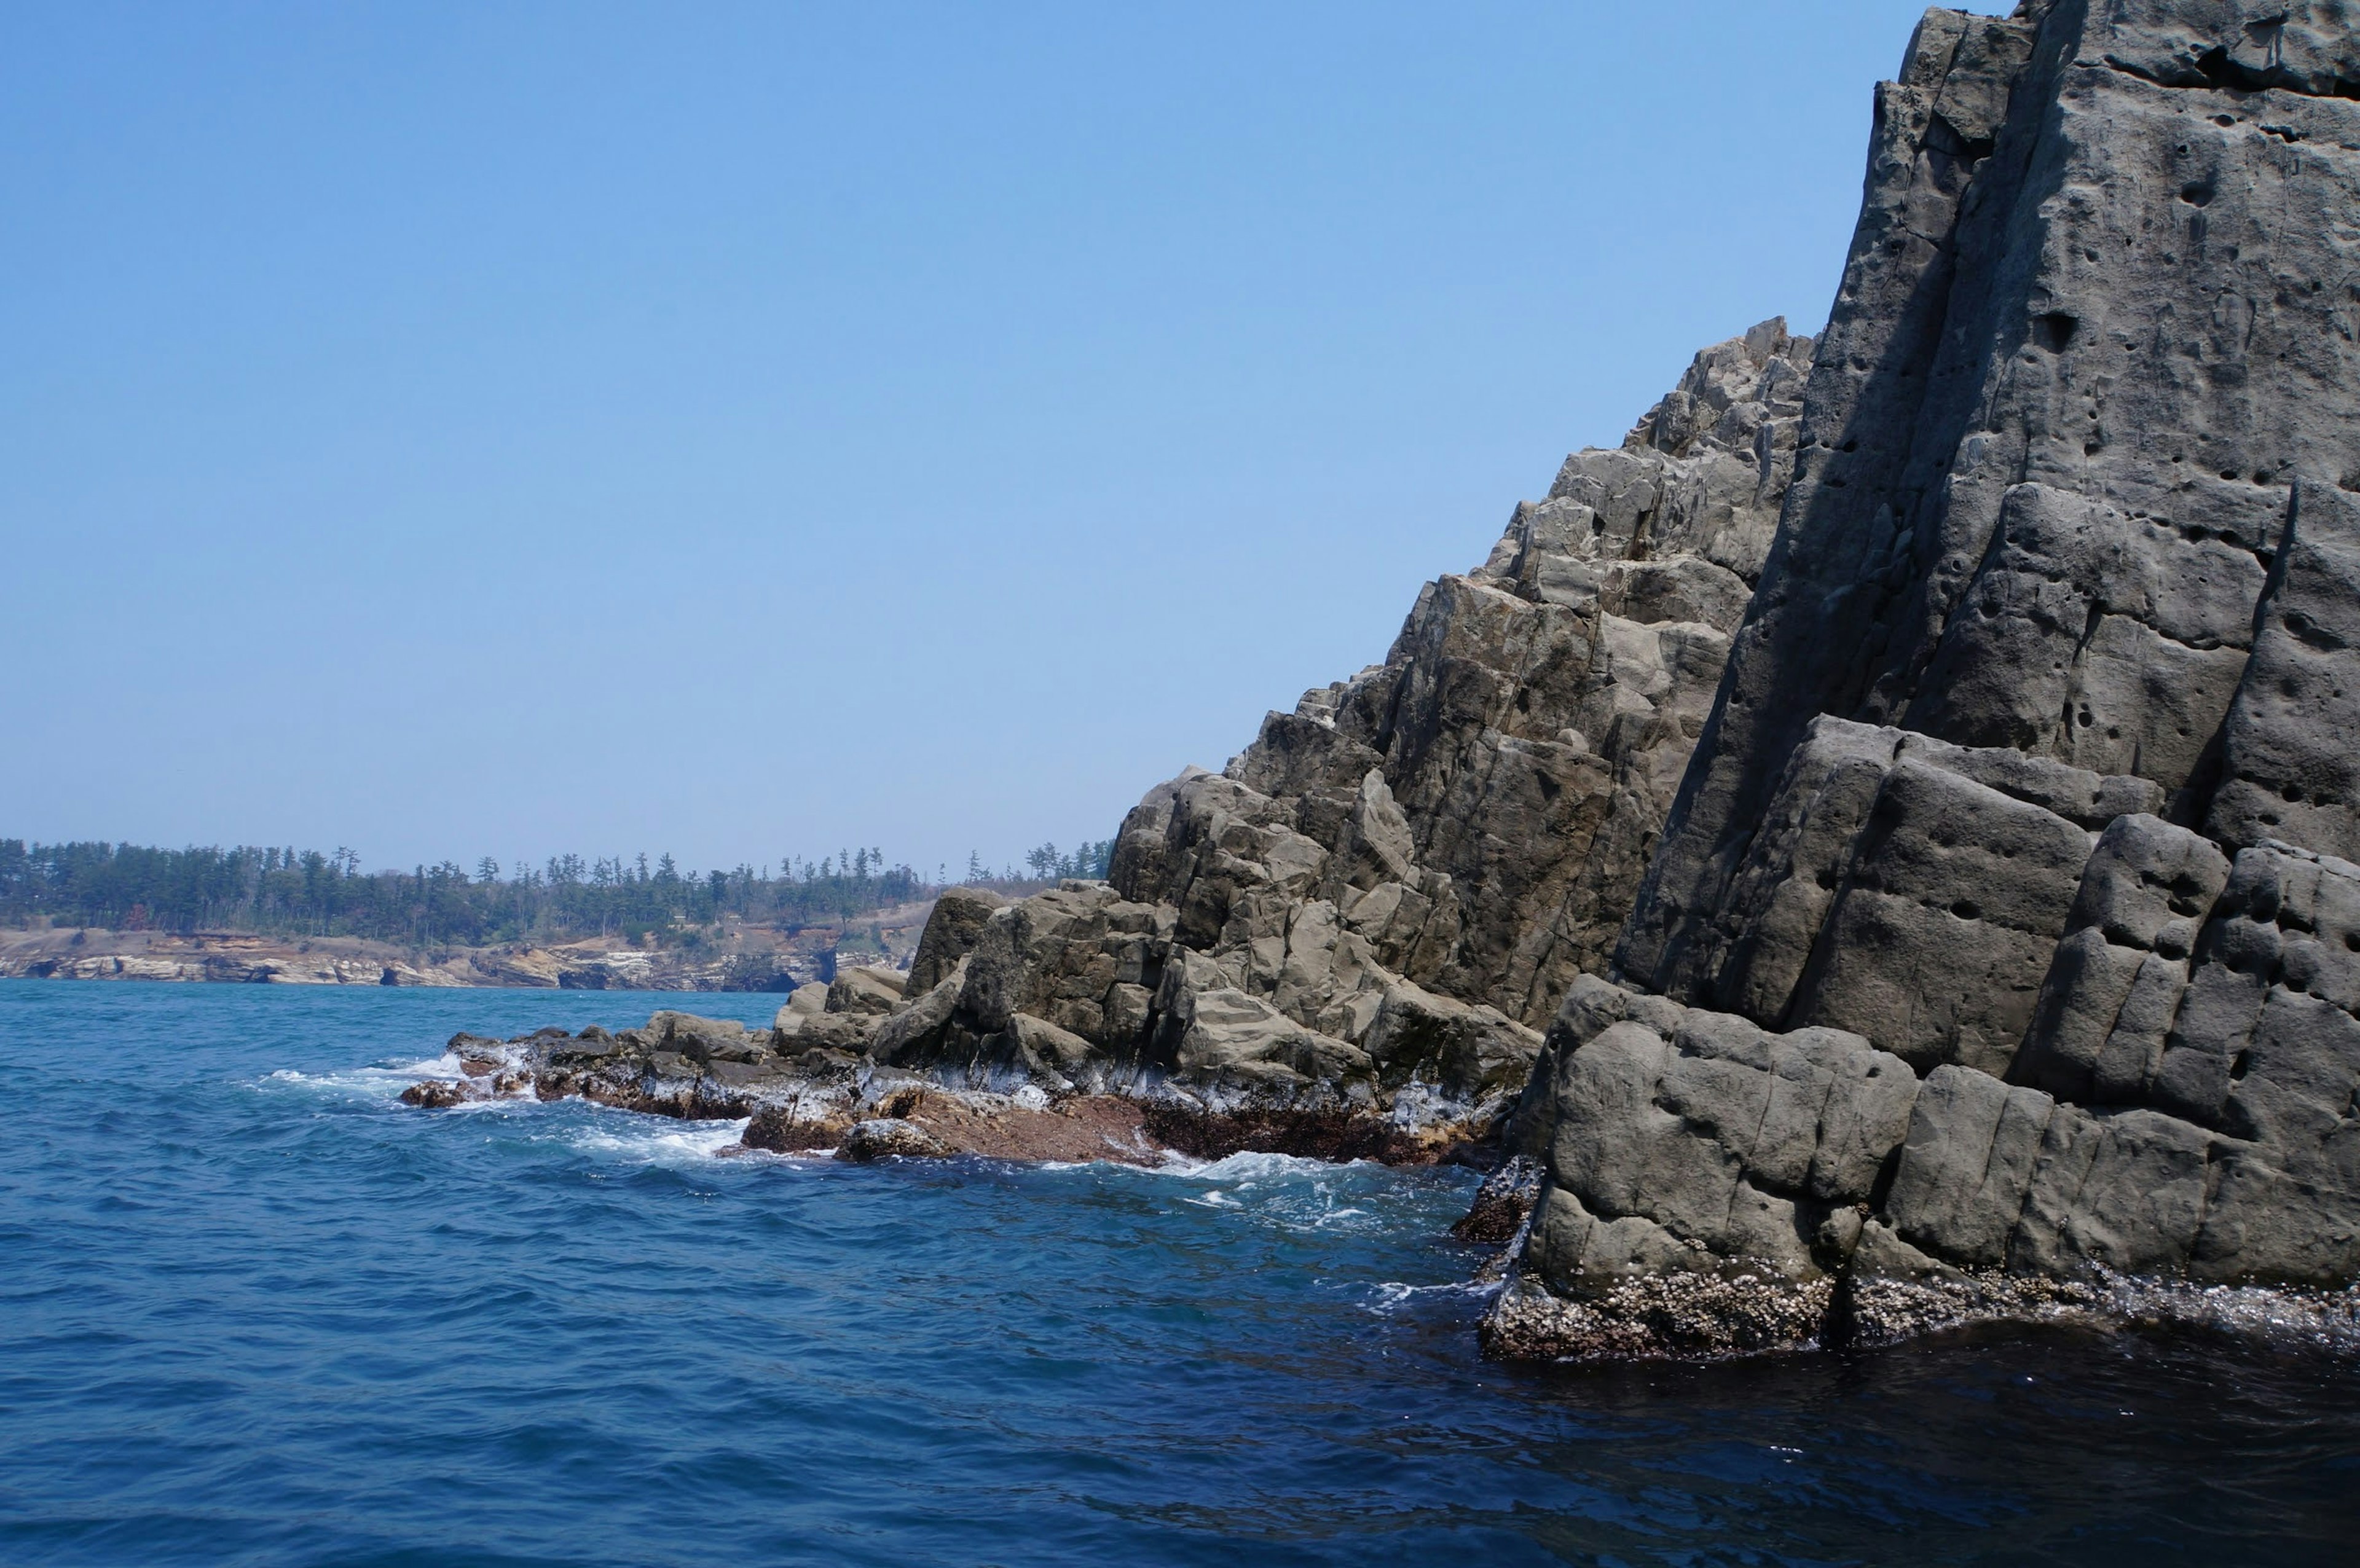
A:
(1534, 718)
(1374, 903)
(2034, 755)
(2050, 454)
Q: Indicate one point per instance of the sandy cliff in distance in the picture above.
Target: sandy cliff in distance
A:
(747, 958)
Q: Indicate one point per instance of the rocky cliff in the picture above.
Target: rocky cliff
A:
(1372, 907)
(1341, 944)
(1910, 777)
(1999, 944)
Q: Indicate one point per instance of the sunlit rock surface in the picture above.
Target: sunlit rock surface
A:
(1998, 948)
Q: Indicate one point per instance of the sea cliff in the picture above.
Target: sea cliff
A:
(1874, 850)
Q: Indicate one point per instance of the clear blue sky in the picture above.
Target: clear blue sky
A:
(750, 429)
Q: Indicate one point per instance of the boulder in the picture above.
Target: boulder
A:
(952, 927)
(790, 1128)
(803, 1002)
(1502, 1203)
(702, 1040)
(864, 990)
(890, 1137)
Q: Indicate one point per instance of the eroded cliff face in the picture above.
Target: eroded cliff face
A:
(1373, 904)
(1915, 773)
(1999, 938)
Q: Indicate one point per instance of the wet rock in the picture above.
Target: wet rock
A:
(890, 1137)
(1671, 1312)
(1027, 1125)
(1502, 1203)
(1332, 1132)
(436, 1094)
(791, 1130)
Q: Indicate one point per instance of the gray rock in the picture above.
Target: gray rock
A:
(804, 1001)
(1380, 898)
(2290, 769)
(2033, 756)
(1941, 931)
(705, 1040)
(1681, 1139)
(865, 990)
(952, 930)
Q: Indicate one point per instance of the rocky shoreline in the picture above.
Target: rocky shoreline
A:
(1911, 779)
(808, 1084)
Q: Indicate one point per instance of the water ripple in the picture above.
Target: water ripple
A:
(260, 1312)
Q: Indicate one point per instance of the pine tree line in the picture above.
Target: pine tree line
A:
(307, 893)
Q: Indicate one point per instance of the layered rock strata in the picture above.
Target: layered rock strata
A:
(1999, 946)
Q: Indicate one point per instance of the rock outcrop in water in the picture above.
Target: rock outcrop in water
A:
(2000, 939)
(1915, 773)
(798, 1093)
(1369, 908)
(1340, 946)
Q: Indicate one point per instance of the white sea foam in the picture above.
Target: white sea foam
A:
(368, 1083)
(1253, 1168)
(621, 1136)
(635, 1139)
(1285, 1190)
(1390, 1297)
(2323, 1318)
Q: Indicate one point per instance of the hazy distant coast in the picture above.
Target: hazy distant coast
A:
(744, 958)
(96, 910)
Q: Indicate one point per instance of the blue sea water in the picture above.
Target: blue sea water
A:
(255, 1311)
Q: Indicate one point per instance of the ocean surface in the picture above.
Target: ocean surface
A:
(255, 1311)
